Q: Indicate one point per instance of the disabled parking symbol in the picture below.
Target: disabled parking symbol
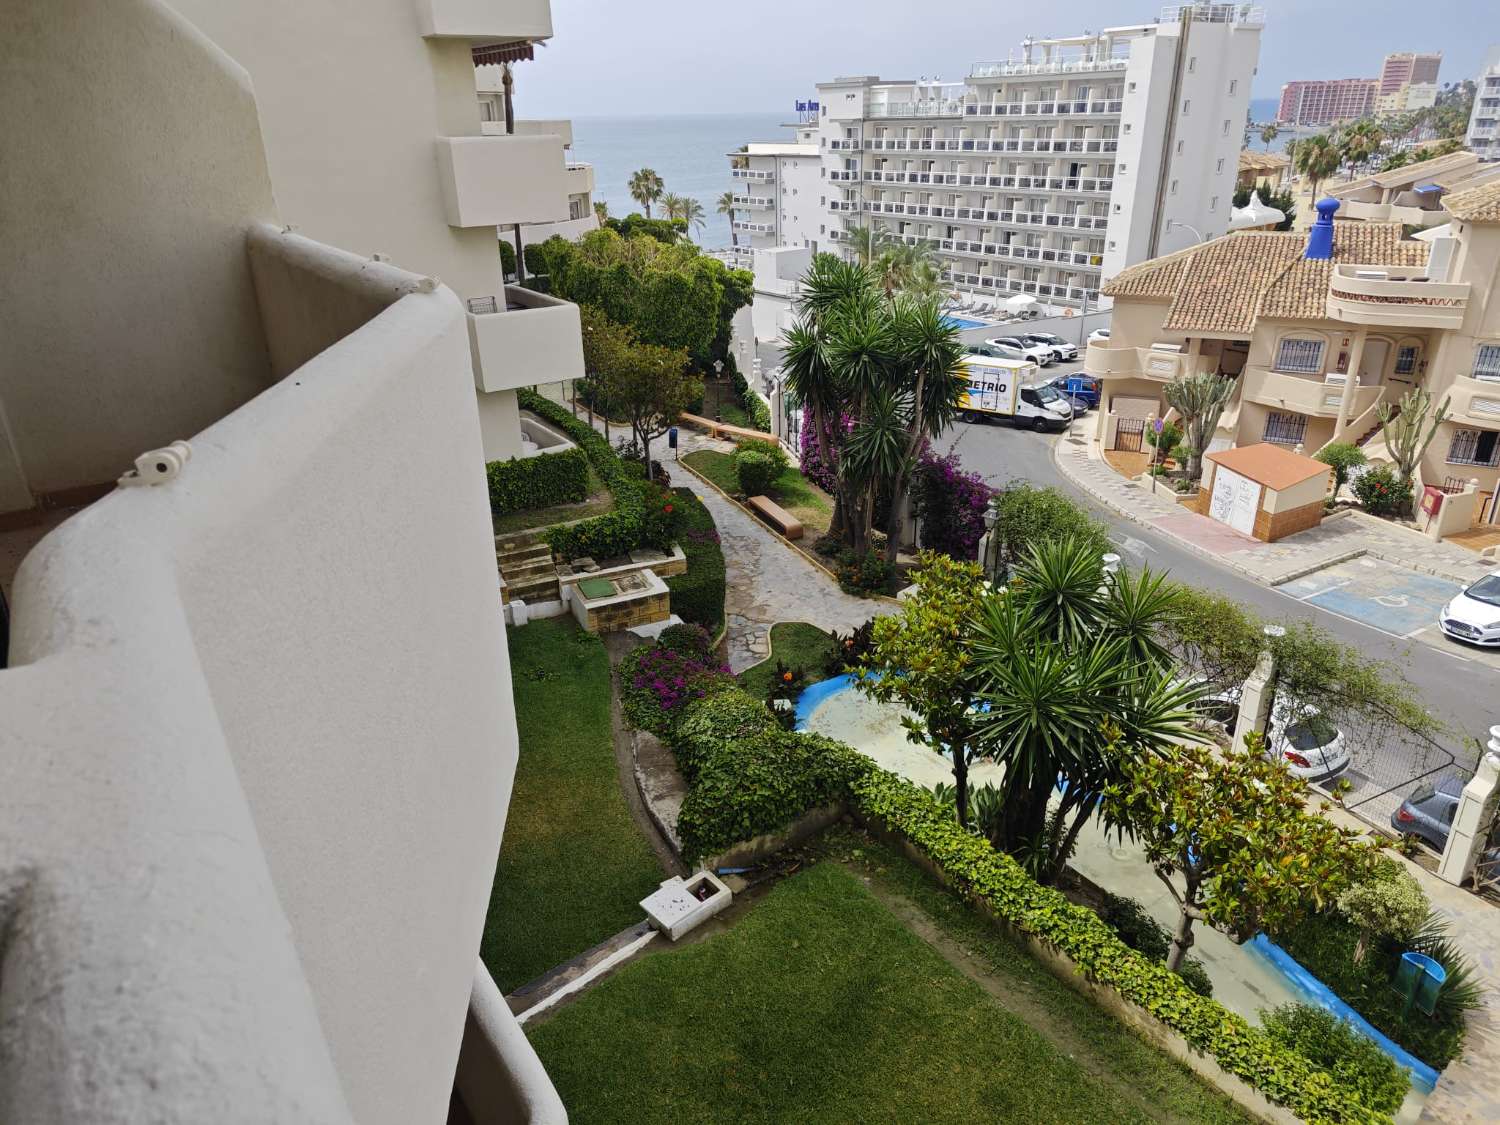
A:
(1392, 601)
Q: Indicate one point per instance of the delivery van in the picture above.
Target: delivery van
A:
(1010, 390)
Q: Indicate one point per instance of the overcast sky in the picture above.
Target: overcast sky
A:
(610, 57)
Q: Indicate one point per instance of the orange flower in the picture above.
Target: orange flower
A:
(787, 677)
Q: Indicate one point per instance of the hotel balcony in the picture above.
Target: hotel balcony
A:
(495, 181)
(1028, 69)
(753, 202)
(579, 179)
(1390, 296)
(1318, 396)
(755, 228)
(1394, 213)
(536, 338)
(753, 175)
(484, 22)
(1105, 362)
(551, 127)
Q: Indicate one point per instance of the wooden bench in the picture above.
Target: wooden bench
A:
(724, 429)
(775, 515)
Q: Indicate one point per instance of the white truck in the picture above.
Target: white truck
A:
(1010, 389)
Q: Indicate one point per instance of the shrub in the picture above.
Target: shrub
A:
(697, 596)
(1341, 457)
(949, 505)
(1028, 515)
(850, 651)
(824, 474)
(687, 640)
(657, 683)
(770, 450)
(1354, 1061)
(1145, 934)
(864, 574)
(661, 517)
(755, 406)
(507, 259)
(716, 723)
(752, 786)
(1390, 904)
(1380, 491)
(616, 532)
(977, 872)
(523, 483)
(1169, 438)
(755, 473)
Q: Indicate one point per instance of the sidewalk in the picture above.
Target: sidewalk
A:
(1336, 540)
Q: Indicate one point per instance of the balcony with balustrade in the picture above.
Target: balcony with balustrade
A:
(753, 175)
(1318, 395)
(1393, 296)
(753, 202)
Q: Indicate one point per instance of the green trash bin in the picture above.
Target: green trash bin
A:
(1419, 979)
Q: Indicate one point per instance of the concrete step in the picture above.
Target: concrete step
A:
(523, 551)
(516, 575)
(515, 540)
(537, 590)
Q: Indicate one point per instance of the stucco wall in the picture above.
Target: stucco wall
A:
(500, 425)
(1310, 491)
(127, 311)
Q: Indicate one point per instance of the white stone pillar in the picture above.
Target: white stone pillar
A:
(1255, 701)
(1476, 812)
(1351, 380)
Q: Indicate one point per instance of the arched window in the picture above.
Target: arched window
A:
(1301, 355)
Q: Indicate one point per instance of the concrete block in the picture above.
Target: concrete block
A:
(680, 905)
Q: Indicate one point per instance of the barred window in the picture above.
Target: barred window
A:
(1285, 428)
(1475, 447)
(1299, 356)
(1487, 362)
(1406, 359)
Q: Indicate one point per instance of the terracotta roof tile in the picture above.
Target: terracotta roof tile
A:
(1477, 205)
(1274, 466)
(1158, 277)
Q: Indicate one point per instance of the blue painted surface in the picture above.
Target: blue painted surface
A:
(961, 322)
(1320, 238)
(813, 697)
(1388, 597)
(1423, 1077)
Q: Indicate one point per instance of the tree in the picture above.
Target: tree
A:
(725, 207)
(868, 244)
(1075, 687)
(904, 266)
(1283, 200)
(1232, 826)
(672, 204)
(1317, 158)
(646, 188)
(647, 385)
(1389, 905)
(1027, 515)
(1200, 398)
(691, 213)
(1268, 134)
(1359, 143)
(1402, 428)
(601, 211)
(1341, 457)
(922, 658)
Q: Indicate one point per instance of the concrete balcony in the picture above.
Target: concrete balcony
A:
(1394, 213)
(1391, 296)
(1104, 361)
(1474, 400)
(484, 22)
(571, 229)
(552, 127)
(495, 181)
(580, 179)
(753, 203)
(535, 339)
(1318, 396)
(753, 175)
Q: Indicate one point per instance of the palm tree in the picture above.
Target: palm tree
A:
(691, 212)
(601, 211)
(1268, 134)
(1360, 143)
(901, 263)
(1317, 159)
(671, 204)
(725, 206)
(646, 188)
(868, 243)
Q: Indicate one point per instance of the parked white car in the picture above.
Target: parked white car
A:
(1099, 336)
(1061, 348)
(1307, 743)
(1039, 354)
(1474, 615)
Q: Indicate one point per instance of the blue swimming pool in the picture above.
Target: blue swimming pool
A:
(960, 322)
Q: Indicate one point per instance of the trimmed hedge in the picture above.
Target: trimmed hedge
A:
(1353, 1059)
(755, 406)
(523, 483)
(716, 724)
(980, 873)
(616, 532)
(698, 595)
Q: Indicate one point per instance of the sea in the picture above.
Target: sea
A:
(690, 152)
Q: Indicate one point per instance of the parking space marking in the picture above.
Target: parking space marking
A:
(1400, 603)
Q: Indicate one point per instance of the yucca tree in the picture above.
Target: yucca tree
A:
(1076, 685)
(725, 207)
(1200, 398)
(646, 188)
(1317, 158)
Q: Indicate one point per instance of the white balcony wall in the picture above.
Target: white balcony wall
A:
(493, 181)
(485, 21)
(538, 342)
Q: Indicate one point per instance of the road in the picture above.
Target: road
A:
(1464, 693)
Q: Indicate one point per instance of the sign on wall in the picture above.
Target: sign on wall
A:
(1234, 500)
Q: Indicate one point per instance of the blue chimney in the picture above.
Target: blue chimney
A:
(1320, 238)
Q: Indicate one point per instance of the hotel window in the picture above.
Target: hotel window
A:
(1193, 64)
(1487, 362)
(1406, 359)
(1174, 187)
(1187, 106)
(1213, 204)
(1220, 167)
(1300, 357)
(1179, 147)
(1226, 127)
(1233, 85)
(1130, 86)
(1475, 447)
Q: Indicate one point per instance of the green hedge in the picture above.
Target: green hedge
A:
(716, 724)
(755, 406)
(980, 873)
(523, 483)
(698, 595)
(616, 532)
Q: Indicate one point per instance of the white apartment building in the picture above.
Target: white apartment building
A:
(1043, 173)
(259, 735)
(1483, 138)
(379, 146)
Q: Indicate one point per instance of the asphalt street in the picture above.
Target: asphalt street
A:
(1457, 688)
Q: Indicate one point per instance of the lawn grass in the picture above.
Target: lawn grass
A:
(796, 643)
(799, 496)
(820, 1005)
(573, 864)
(596, 503)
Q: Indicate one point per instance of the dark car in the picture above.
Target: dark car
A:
(1428, 812)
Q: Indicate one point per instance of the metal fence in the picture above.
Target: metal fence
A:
(1128, 434)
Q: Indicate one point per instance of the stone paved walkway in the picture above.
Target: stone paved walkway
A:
(1335, 540)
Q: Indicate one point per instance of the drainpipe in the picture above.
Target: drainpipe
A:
(1179, 65)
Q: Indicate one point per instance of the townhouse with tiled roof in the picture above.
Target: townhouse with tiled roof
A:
(1413, 194)
(1319, 329)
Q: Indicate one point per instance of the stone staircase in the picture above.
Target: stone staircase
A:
(528, 568)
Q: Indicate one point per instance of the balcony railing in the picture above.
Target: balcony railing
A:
(755, 228)
(1385, 295)
(916, 109)
(481, 23)
(1106, 361)
(755, 202)
(986, 144)
(536, 339)
(1106, 108)
(1319, 396)
(845, 175)
(753, 175)
(1026, 69)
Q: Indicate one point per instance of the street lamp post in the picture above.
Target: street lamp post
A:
(1198, 234)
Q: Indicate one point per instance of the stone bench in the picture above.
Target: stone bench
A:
(775, 515)
(724, 430)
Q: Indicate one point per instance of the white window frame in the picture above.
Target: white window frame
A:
(1487, 362)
